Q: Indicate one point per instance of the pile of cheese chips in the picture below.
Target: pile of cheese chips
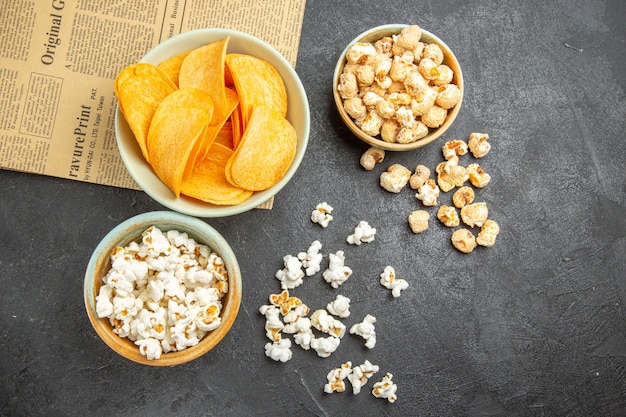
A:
(212, 125)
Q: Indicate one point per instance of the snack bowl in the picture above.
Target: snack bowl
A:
(371, 36)
(298, 114)
(131, 230)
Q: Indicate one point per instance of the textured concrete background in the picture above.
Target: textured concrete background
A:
(534, 326)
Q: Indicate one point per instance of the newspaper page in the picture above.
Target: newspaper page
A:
(59, 58)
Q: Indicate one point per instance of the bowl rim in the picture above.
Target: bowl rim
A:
(130, 229)
(386, 30)
(142, 173)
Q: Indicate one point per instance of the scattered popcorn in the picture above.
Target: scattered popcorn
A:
(163, 293)
(386, 389)
(273, 323)
(325, 346)
(475, 214)
(311, 259)
(478, 144)
(450, 174)
(419, 177)
(324, 322)
(453, 148)
(488, 233)
(371, 157)
(363, 233)
(463, 240)
(279, 351)
(322, 214)
(340, 307)
(448, 216)
(296, 314)
(418, 221)
(284, 302)
(477, 176)
(337, 273)
(361, 374)
(291, 275)
(304, 336)
(389, 280)
(428, 193)
(366, 330)
(395, 178)
(336, 378)
(463, 196)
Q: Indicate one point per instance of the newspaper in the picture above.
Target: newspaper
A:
(58, 60)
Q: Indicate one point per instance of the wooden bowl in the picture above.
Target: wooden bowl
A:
(131, 230)
(450, 60)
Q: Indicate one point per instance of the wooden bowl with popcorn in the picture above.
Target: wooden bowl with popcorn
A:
(398, 87)
(162, 288)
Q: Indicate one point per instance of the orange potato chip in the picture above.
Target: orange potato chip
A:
(224, 137)
(203, 68)
(257, 81)
(178, 123)
(220, 116)
(140, 88)
(208, 179)
(171, 66)
(237, 126)
(266, 150)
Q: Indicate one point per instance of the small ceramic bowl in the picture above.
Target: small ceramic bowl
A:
(297, 113)
(131, 230)
(372, 36)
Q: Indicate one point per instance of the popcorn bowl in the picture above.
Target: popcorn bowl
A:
(298, 114)
(131, 230)
(371, 36)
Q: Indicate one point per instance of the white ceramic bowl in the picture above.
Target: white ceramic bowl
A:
(297, 113)
(131, 230)
(372, 35)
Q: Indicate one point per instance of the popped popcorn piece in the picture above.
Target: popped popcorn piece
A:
(296, 314)
(477, 176)
(429, 68)
(428, 193)
(446, 75)
(488, 233)
(348, 87)
(450, 174)
(448, 216)
(337, 273)
(324, 322)
(325, 346)
(284, 302)
(312, 258)
(366, 330)
(478, 144)
(363, 233)
(419, 177)
(163, 292)
(371, 123)
(340, 307)
(386, 388)
(463, 196)
(409, 37)
(389, 130)
(453, 148)
(359, 52)
(475, 214)
(395, 178)
(448, 96)
(434, 52)
(322, 214)
(279, 351)
(418, 221)
(389, 280)
(273, 323)
(336, 378)
(304, 334)
(371, 157)
(355, 108)
(463, 240)
(361, 374)
(291, 275)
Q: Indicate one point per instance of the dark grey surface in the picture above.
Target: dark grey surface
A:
(534, 326)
